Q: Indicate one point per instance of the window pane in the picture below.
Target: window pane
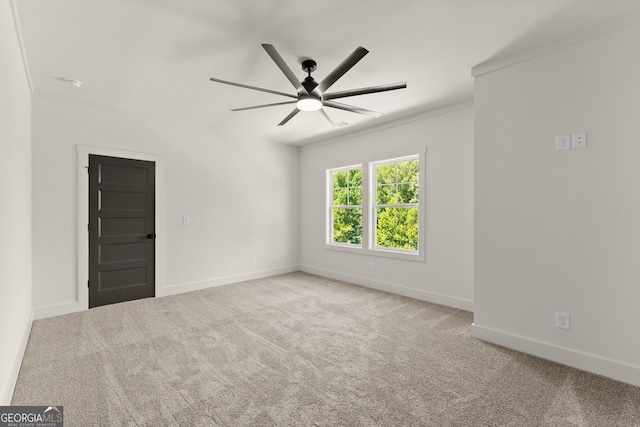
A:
(340, 197)
(347, 226)
(408, 193)
(397, 228)
(355, 196)
(340, 179)
(386, 174)
(408, 171)
(355, 177)
(386, 194)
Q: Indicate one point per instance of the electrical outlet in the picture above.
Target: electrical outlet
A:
(372, 266)
(254, 260)
(563, 320)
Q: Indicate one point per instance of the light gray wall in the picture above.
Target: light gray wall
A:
(241, 197)
(15, 205)
(560, 231)
(447, 275)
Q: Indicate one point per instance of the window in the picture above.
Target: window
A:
(346, 205)
(379, 212)
(397, 204)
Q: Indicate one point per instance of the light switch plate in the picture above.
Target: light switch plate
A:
(563, 142)
(579, 140)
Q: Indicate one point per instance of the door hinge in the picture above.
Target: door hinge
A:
(87, 169)
(88, 227)
(87, 283)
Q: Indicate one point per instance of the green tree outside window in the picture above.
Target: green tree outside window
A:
(397, 202)
(346, 211)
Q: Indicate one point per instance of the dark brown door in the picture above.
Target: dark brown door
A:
(121, 230)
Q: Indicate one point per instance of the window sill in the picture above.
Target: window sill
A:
(383, 253)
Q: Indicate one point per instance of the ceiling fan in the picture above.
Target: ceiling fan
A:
(311, 95)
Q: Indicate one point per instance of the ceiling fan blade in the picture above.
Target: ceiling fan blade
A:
(345, 66)
(264, 105)
(291, 114)
(365, 90)
(351, 108)
(325, 118)
(273, 53)
(253, 87)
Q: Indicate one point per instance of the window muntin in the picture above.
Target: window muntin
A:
(397, 203)
(346, 206)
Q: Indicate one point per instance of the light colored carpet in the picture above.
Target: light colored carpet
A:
(300, 350)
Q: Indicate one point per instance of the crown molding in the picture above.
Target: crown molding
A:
(23, 52)
(492, 65)
(396, 120)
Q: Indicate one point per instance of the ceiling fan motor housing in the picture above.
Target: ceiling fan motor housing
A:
(309, 84)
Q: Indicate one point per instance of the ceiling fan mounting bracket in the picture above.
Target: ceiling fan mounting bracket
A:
(309, 65)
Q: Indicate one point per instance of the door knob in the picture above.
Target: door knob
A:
(151, 236)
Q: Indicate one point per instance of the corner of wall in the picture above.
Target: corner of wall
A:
(17, 362)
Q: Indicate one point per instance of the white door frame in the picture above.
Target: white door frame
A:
(82, 296)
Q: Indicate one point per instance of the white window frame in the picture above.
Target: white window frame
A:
(369, 214)
(373, 206)
(331, 207)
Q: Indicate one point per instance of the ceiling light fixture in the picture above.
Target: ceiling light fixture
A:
(73, 82)
(309, 104)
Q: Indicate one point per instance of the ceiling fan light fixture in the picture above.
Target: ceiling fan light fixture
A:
(309, 104)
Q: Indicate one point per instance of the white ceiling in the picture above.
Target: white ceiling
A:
(156, 56)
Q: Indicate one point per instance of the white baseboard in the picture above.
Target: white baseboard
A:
(73, 307)
(610, 368)
(58, 310)
(433, 297)
(17, 362)
(225, 280)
